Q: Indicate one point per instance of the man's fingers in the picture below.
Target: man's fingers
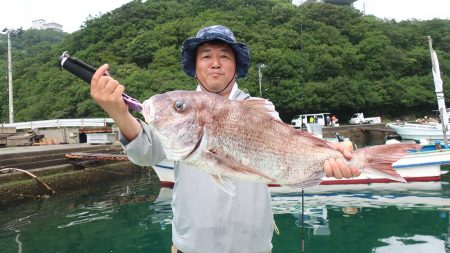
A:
(110, 85)
(327, 169)
(345, 149)
(332, 168)
(119, 91)
(347, 154)
(337, 173)
(100, 72)
(355, 172)
(345, 171)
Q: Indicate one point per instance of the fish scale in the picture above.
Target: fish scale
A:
(253, 145)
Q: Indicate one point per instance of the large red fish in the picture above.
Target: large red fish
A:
(240, 140)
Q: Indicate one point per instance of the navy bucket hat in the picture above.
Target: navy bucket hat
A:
(214, 33)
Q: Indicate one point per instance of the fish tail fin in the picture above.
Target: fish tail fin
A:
(379, 159)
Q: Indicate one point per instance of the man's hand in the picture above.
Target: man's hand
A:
(107, 93)
(338, 168)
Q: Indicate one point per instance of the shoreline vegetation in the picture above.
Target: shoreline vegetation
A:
(318, 57)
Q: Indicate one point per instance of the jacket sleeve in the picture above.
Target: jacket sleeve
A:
(145, 149)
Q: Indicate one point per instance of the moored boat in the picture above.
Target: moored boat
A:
(419, 132)
(428, 132)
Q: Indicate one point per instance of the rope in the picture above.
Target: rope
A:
(10, 170)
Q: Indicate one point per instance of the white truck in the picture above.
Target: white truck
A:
(301, 120)
(358, 118)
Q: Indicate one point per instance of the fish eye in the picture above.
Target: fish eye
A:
(179, 105)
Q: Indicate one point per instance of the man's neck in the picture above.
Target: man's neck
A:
(229, 93)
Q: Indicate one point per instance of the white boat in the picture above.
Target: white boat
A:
(418, 132)
(420, 166)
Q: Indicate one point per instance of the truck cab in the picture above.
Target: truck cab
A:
(358, 118)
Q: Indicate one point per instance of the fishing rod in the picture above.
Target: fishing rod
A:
(303, 220)
(86, 72)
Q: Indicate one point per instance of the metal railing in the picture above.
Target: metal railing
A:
(57, 123)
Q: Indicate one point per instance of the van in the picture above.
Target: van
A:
(300, 121)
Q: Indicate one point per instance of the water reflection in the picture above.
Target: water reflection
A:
(411, 244)
(162, 209)
(136, 217)
(101, 210)
(359, 206)
(400, 205)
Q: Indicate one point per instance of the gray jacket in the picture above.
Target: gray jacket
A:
(205, 218)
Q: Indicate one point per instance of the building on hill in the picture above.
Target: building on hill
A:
(338, 2)
(41, 24)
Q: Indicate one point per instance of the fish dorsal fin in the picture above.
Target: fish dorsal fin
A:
(312, 139)
(265, 107)
(226, 184)
(258, 104)
(261, 105)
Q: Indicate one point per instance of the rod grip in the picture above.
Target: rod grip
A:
(78, 68)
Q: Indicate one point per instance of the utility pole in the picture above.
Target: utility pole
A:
(10, 83)
(260, 66)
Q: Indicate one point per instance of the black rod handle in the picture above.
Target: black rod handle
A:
(77, 67)
(86, 72)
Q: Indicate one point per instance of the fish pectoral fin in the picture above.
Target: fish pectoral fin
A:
(232, 165)
(226, 184)
(308, 183)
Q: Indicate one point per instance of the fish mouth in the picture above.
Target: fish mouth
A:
(196, 145)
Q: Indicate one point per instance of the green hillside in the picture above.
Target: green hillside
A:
(319, 57)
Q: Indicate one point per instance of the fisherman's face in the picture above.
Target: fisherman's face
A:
(216, 67)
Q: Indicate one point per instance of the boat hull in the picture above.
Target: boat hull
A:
(419, 132)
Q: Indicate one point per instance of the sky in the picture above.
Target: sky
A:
(72, 14)
(405, 9)
(69, 13)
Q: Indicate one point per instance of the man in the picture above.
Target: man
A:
(205, 218)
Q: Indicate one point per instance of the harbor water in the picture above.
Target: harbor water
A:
(134, 215)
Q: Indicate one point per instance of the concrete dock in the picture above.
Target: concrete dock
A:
(372, 134)
(51, 167)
